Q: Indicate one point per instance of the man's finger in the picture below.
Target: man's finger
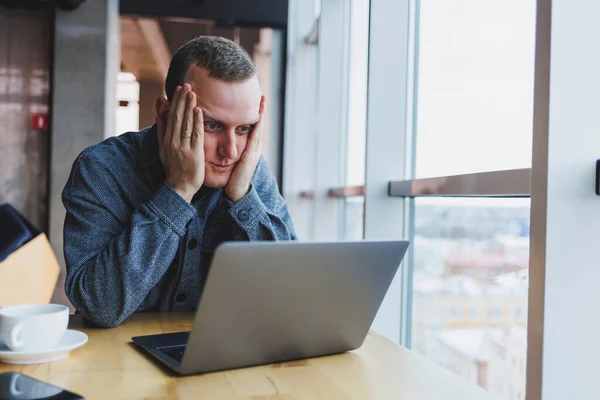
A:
(168, 126)
(198, 133)
(256, 136)
(178, 113)
(188, 121)
(257, 131)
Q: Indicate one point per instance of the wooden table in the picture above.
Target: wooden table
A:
(110, 367)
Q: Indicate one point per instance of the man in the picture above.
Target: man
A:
(146, 210)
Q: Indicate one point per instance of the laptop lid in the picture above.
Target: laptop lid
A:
(266, 302)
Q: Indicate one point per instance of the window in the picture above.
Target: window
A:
(450, 92)
(519, 313)
(444, 275)
(353, 218)
(522, 367)
(317, 8)
(356, 117)
(475, 86)
(328, 104)
(473, 113)
(357, 89)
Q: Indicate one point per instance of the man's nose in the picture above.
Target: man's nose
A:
(227, 146)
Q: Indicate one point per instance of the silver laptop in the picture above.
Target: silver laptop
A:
(267, 302)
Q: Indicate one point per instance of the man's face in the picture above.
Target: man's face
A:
(230, 111)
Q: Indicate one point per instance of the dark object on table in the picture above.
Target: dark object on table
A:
(15, 232)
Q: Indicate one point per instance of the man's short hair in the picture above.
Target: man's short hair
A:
(223, 59)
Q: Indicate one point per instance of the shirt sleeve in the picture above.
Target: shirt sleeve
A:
(114, 261)
(263, 214)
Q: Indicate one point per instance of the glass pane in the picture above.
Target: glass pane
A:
(353, 218)
(475, 86)
(356, 139)
(471, 259)
(317, 8)
(357, 93)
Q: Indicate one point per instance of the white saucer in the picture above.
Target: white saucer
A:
(70, 341)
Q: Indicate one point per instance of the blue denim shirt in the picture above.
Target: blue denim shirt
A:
(133, 244)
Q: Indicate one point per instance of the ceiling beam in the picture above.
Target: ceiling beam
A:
(255, 13)
(144, 49)
(155, 39)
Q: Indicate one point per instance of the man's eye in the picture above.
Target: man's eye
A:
(211, 126)
(244, 129)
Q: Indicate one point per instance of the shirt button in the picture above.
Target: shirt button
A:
(181, 297)
(192, 244)
(243, 215)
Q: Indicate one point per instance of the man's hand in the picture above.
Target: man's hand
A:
(241, 177)
(181, 143)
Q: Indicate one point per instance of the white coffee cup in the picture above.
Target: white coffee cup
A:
(33, 327)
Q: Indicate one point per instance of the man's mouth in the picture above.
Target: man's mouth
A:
(222, 167)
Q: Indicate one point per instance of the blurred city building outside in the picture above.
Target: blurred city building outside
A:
(494, 359)
(471, 291)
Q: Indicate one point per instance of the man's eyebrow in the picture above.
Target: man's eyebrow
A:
(211, 118)
(206, 116)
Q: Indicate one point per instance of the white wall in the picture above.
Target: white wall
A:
(563, 329)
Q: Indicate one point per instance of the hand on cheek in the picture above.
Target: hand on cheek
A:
(241, 178)
(181, 143)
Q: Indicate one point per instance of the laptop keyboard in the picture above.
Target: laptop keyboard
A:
(175, 352)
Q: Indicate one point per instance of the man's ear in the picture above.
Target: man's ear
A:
(161, 106)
